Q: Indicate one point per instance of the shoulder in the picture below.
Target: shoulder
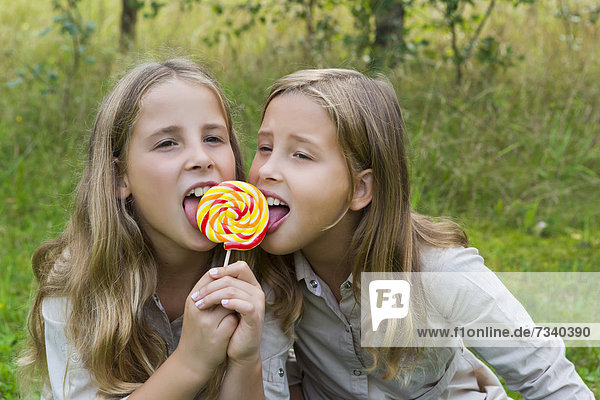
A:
(464, 259)
(268, 291)
(453, 272)
(460, 287)
(56, 309)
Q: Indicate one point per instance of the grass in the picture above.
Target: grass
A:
(509, 149)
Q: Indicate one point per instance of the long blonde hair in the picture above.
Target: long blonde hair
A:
(103, 263)
(389, 235)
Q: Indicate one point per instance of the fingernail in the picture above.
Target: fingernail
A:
(199, 303)
(195, 296)
(224, 301)
(213, 271)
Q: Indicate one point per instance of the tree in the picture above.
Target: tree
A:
(456, 21)
(389, 45)
(128, 23)
(129, 17)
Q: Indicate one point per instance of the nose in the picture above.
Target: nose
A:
(265, 169)
(197, 158)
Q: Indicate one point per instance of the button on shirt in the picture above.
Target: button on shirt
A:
(334, 365)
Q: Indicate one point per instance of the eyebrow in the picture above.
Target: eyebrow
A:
(163, 130)
(264, 133)
(295, 136)
(300, 138)
(214, 127)
(175, 128)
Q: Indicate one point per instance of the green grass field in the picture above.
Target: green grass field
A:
(506, 150)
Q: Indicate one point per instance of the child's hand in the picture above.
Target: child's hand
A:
(236, 288)
(205, 333)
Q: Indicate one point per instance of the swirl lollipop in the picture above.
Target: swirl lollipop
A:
(234, 213)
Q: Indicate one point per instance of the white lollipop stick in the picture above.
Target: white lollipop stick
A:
(227, 258)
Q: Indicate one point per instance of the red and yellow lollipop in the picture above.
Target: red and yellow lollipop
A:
(234, 213)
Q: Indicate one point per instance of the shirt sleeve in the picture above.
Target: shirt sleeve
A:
(539, 371)
(68, 378)
(274, 352)
(293, 370)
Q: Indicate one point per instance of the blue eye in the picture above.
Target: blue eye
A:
(302, 156)
(264, 148)
(166, 143)
(213, 139)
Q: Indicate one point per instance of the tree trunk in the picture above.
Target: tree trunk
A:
(389, 44)
(309, 45)
(128, 22)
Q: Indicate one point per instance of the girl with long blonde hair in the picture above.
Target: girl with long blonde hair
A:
(117, 312)
(331, 160)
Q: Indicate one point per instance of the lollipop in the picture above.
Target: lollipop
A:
(234, 213)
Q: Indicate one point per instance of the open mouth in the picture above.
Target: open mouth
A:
(191, 201)
(278, 212)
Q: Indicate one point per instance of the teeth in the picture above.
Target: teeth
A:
(275, 202)
(199, 191)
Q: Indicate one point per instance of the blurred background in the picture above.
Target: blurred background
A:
(501, 101)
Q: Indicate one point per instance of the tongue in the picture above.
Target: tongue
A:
(190, 205)
(276, 213)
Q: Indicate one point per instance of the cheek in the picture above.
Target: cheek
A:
(326, 201)
(230, 166)
(253, 173)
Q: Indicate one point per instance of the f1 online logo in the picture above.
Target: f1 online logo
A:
(389, 299)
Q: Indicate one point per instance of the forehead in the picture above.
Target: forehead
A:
(178, 98)
(297, 120)
(177, 105)
(175, 87)
(297, 112)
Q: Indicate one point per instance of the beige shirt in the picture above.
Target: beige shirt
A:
(69, 379)
(333, 363)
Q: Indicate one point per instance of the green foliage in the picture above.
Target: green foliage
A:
(150, 9)
(45, 76)
(52, 77)
(380, 35)
(575, 17)
(72, 25)
(464, 18)
(155, 7)
(489, 52)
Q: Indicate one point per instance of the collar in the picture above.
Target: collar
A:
(314, 284)
(303, 268)
(305, 272)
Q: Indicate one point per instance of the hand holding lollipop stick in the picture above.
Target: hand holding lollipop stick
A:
(234, 213)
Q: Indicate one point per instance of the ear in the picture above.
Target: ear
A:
(123, 189)
(363, 190)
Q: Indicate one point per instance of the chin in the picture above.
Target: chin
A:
(272, 246)
(202, 245)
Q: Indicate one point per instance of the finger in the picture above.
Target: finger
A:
(226, 293)
(239, 270)
(227, 325)
(251, 314)
(212, 314)
(225, 282)
(242, 307)
(206, 279)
